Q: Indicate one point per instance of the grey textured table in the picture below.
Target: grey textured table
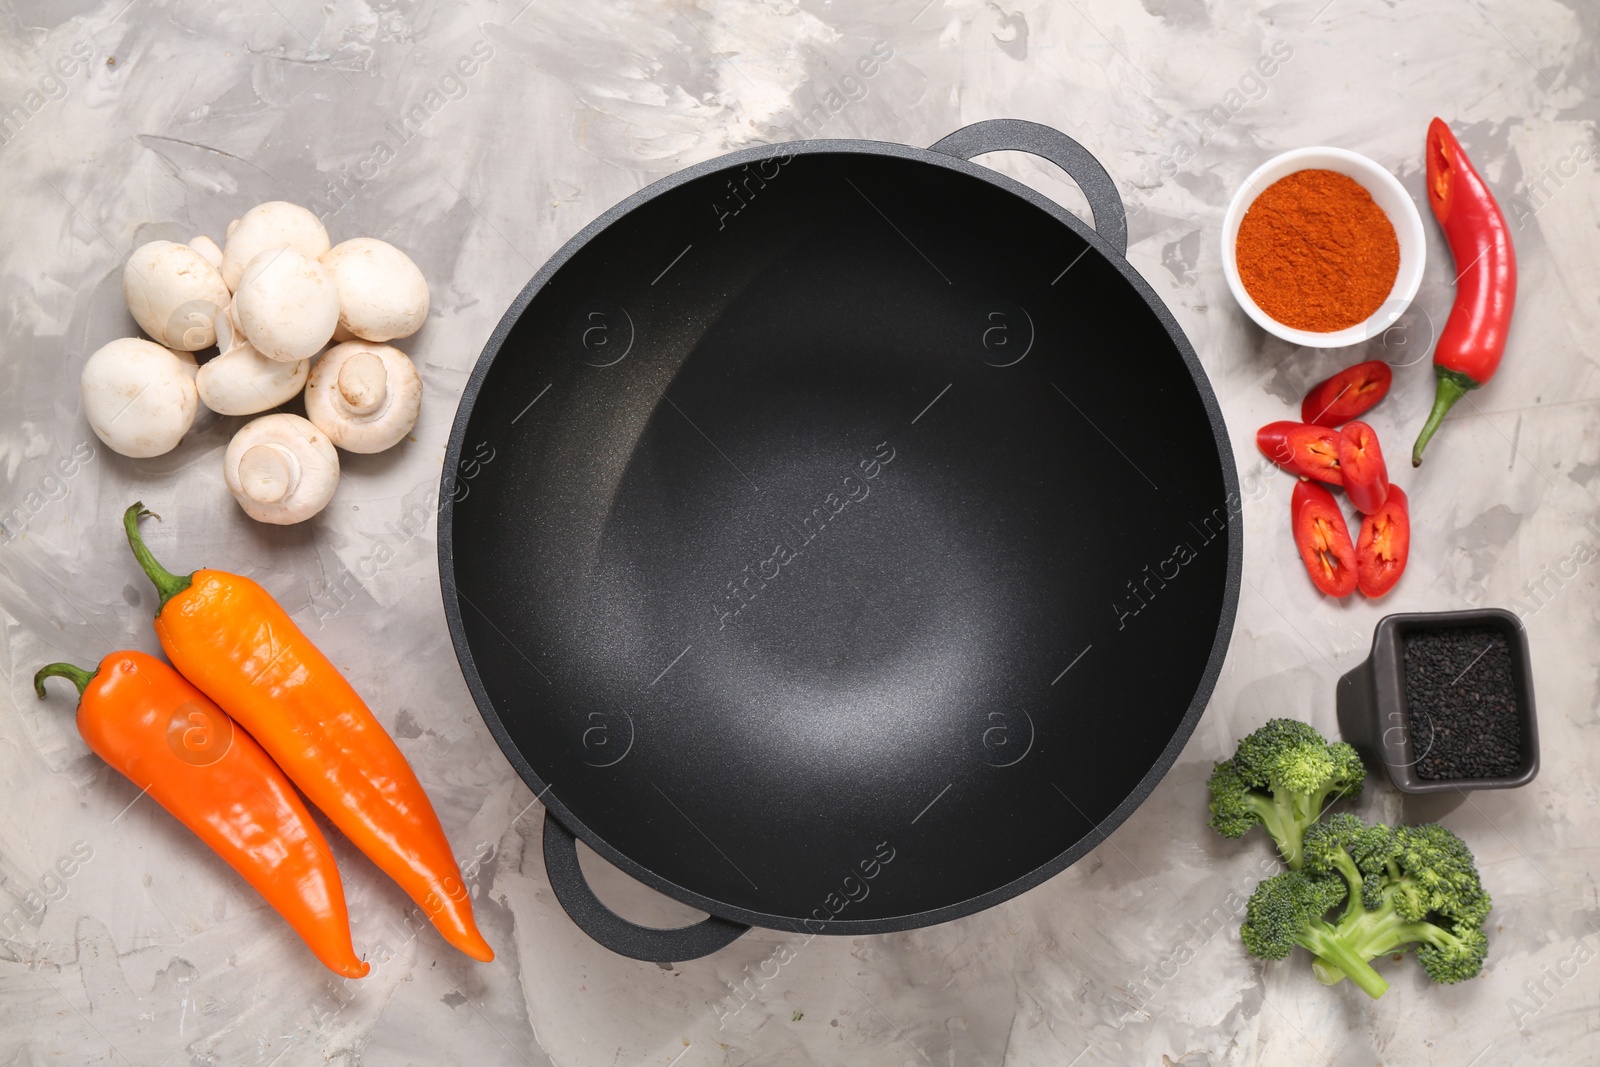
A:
(479, 136)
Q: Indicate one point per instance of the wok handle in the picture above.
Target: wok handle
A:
(610, 929)
(1000, 135)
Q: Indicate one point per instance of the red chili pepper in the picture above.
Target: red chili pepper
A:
(1474, 336)
(1323, 539)
(1384, 545)
(1366, 476)
(1351, 392)
(1302, 449)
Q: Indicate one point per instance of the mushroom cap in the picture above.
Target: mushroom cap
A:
(286, 304)
(140, 398)
(281, 469)
(241, 381)
(382, 294)
(173, 293)
(208, 248)
(275, 224)
(364, 396)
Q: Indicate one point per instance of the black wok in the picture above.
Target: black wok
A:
(837, 538)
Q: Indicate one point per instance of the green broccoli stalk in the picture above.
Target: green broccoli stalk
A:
(1282, 777)
(1287, 910)
(1400, 886)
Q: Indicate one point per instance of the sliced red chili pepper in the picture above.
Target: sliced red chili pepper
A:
(1384, 544)
(1351, 392)
(1302, 449)
(1323, 539)
(1366, 476)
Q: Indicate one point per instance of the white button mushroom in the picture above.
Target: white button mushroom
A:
(275, 224)
(174, 293)
(287, 304)
(281, 469)
(382, 294)
(364, 396)
(207, 248)
(240, 380)
(140, 398)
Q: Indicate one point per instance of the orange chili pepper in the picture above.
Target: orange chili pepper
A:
(162, 733)
(228, 636)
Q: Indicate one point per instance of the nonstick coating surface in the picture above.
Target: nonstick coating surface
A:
(871, 512)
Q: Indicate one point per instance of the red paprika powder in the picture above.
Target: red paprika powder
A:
(1316, 253)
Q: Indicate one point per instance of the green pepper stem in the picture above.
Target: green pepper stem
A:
(78, 676)
(1453, 385)
(167, 584)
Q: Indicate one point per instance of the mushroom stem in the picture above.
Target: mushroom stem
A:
(363, 383)
(268, 472)
(208, 250)
(222, 325)
(281, 469)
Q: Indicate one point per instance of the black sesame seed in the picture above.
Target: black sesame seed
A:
(1461, 700)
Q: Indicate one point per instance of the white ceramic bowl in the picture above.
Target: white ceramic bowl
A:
(1387, 193)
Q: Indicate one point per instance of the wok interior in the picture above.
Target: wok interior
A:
(842, 525)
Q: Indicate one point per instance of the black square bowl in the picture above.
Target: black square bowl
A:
(1373, 715)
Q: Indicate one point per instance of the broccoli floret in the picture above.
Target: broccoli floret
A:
(1286, 910)
(1400, 886)
(1282, 777)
